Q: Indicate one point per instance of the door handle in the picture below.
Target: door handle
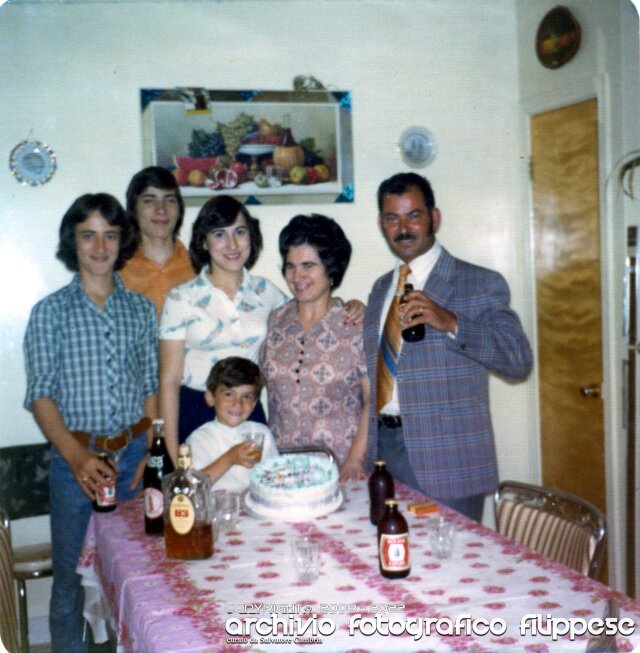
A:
(592, 390)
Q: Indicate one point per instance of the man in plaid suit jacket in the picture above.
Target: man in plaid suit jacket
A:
(435, 431)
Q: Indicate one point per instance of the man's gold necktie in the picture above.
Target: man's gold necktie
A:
(390, 344)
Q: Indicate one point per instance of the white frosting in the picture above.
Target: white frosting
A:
(294, 487)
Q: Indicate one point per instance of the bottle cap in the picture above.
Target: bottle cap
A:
(381, 462)
(390, 502)
(158, 421)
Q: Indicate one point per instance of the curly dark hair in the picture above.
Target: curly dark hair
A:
(111, 210)
(217, 213)
(158, 178)
(400, 184)
(234, 371)
(326, 236)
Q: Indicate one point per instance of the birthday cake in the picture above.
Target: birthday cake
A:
(294, 487)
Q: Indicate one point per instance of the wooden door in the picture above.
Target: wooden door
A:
(564, 145)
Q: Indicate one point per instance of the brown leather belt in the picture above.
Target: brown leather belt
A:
(114, 442)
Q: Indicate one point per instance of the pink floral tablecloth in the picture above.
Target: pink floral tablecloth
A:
(156, 605)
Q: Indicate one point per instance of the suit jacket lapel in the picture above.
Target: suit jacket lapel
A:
(381, 293)
(439, 285)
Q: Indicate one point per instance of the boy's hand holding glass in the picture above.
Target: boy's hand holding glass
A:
(243, 454)
(256, 439)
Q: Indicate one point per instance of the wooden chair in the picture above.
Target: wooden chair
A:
(8, 616)
(559, 525)
(24, 492)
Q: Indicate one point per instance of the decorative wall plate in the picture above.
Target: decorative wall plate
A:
(32, 163)
(558, 38)
(418, 147)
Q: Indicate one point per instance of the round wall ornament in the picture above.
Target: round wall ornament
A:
(558, 38)
(418, 147)
(32, 163)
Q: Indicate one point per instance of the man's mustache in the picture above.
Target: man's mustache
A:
(403, 236)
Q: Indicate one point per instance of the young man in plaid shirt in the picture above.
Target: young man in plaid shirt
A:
(92, 370)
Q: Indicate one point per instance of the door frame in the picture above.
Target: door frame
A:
(612, 253)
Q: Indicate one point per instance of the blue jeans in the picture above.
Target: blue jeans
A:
(391, 448)
(70, 512)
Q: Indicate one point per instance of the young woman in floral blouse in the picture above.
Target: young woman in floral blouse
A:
(222, 312)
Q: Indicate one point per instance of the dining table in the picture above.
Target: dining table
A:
(490, 595)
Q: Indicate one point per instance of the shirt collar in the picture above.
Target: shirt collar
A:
(223, 427)
(245, 284)
(422, 265)
(77, 287)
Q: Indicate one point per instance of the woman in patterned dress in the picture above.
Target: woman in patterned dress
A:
(312, 360)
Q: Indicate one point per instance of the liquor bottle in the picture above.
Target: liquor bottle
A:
(380, 489)
(106, 498)
(413, 333)
(393, 542)
(188, 533)
(158, 466)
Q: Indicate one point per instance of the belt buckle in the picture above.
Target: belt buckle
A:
(108, 446)
(391, 421)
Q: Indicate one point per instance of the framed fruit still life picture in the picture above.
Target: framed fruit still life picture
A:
(263, 147)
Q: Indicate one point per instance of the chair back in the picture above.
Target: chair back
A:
(24, 480)
(557, 524)
(8, 616)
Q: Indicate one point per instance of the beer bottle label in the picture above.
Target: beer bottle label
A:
(182, 514)
(155, 462)
(394, 552)
(106, 494)
(153, 503)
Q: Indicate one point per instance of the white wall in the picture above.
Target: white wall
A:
(72, 74)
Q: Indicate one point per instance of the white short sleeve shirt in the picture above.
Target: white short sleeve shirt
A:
(211, 440)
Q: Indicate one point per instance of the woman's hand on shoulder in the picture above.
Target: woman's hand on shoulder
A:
(355, 311)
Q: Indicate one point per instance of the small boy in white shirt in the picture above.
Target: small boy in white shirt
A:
(220, 448)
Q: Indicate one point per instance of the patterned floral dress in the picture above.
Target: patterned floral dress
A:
(314, 378)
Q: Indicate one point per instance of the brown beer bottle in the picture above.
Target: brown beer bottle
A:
(380, 489)
(158, 466)
(106, 498)
(393, 542)
(414, 333)
(188, 532)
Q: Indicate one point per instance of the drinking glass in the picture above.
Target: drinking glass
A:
(305, 552)
(441, 537)
(226, 508)
(257, 440)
